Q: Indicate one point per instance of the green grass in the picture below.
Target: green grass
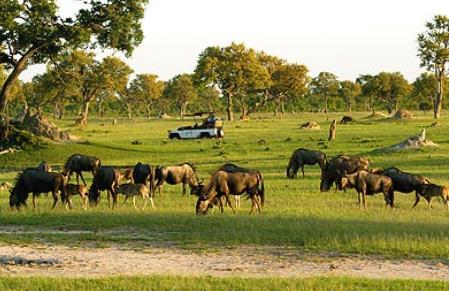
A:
(296, 213)
(210, 283)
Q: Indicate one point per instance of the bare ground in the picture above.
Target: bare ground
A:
(61, 261)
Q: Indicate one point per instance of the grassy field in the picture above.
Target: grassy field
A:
(209, 283)
(296, 214)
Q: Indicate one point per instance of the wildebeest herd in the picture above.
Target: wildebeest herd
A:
(345, 171)
(342, 172)
(142, 180)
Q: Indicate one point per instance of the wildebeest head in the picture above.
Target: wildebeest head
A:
(203, 205)
(197, 190)
(292, 169)
(15, 198)
(94, 194)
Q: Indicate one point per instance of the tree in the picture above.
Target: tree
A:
(433, 51)
(208, 99)
(180, 89)
(32, 32)
(348, 91)
(145, 89)
(235, 70)
(325, 85)
(368, 90)
(390, 87)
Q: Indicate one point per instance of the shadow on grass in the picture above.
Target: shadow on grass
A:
(308, 233)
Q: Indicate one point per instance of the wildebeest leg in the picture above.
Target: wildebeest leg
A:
(302, 169)
(237, 201)
(134, 201)
(114, 197)
(34, 201)
(82, 178)
(126, 199)
(229, 202)
(55, 199)
(183, 188)
(416, 200)
(363, 199)
(359, 198)
(429, 199)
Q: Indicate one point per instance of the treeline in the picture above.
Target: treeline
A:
(232, 78)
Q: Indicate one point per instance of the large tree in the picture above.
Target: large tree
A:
(390, 88)
(235, 70)
(368, 90)
(144, 89)
(181, 91)
(349, 91)
(433, 51)
(32, 32)
(325, 86)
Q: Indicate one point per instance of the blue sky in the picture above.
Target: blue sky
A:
(346, 37)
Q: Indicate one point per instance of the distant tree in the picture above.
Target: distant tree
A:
(349, 91)
(208, 99)
(235, 70)
(32, 32)
(433, 51)
(390, 88)
(144, 89)
(181, 90)
(324, 86)
(368, 90)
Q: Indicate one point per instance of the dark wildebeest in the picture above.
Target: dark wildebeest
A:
(79, 163)
(37, 182)
(44, 167)
(107, 178)
(340, 166)
(366, 183)
(184, 174)
(144, 174)
(224, 183)
(405, 182)
(430, 190)
(346, 119)
(303, 157)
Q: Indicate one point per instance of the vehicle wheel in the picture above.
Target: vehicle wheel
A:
(220, 132)
(174, 136)
(204, 135)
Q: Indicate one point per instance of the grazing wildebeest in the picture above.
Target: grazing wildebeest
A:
(405, 182)
(37, 182)
(366, 183)
(144, 174)
(79, 163)
(184, 174)
(430, 190)
(44, 167)
(81, 190)
(346, 119)
(133, 190)
(339, 166)
(224, 183)
(303, 157)
(107, 178)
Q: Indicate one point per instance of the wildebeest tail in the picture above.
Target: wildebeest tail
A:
(261, 187)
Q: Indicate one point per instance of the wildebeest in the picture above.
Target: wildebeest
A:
(346, 119)
(403, 181)
(79, 163)
(224, 183)
(73, 190)
(144, 174)
(107, 178)
(37, 182)
(184, 174)
(303, 157)
(366, 183)
(133, 190)
(339, 166)
(430, 190)
(44, 167)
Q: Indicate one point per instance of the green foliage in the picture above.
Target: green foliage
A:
(144, 89)
(390, 88)
(349, 91)
(325, 86)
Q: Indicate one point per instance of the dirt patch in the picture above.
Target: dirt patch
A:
(59, 261)
(413, 142)
(402, 114)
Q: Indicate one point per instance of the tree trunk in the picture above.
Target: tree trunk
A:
(439, 94)
(229, 107)
(332, 130)
(18, 69)
(129, 109)
(100, 113)
(326, 99)
(61, 109)
(282, 107)
(148, 106)
(396, 105)
(82, 120)
(349, 107)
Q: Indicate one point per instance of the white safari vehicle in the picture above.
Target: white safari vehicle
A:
(212, 127)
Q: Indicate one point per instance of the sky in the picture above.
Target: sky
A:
(345, 37)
